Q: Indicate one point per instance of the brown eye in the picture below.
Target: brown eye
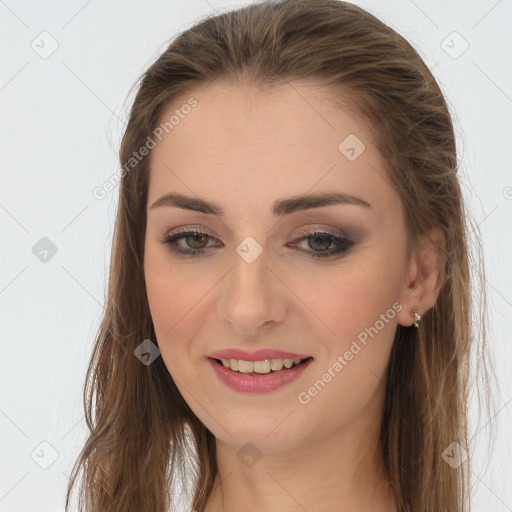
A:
(319, 243)
(196, 241)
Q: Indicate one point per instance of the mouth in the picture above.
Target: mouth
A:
(260, 368)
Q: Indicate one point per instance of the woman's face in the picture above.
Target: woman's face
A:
(261, 280)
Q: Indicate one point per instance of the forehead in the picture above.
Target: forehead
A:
(263, 144)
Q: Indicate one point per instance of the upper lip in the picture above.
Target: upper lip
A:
(257, 355)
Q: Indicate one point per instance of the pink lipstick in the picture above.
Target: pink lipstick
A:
(257, 372)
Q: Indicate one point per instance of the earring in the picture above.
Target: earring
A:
(416, 317)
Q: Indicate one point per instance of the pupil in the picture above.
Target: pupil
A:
(197, 239)
(323, 246)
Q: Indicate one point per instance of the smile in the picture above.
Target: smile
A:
(260, 367)
(258, 376)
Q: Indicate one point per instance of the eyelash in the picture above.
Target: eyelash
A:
(344, 244)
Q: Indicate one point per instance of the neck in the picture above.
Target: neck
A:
(340, 471)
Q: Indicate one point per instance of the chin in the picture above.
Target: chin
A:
(269, 434)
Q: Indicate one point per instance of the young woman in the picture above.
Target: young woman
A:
(290, 296)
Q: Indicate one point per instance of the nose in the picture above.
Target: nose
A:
(252, 297)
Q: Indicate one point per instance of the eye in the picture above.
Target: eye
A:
(195, 241)
(319, 244)
(322, 244)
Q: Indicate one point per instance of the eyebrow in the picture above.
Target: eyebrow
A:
(280, 207)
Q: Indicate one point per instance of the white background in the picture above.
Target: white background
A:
(61, 121)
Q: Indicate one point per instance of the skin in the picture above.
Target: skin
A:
(244, 148)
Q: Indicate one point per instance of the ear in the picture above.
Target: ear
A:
(425, 275)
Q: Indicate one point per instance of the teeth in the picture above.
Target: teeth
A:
(264, 366)
(276, 364)
(245, 366)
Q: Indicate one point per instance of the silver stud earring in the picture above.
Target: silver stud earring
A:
(416, 317)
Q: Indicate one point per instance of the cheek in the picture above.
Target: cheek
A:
(354, 300)
(172, 291)
(360, 309)
(348, 381)
(180, 302)
(173, 301)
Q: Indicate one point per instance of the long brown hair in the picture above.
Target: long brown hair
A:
(139, 440)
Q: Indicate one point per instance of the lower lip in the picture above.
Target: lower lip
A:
(260, 383)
